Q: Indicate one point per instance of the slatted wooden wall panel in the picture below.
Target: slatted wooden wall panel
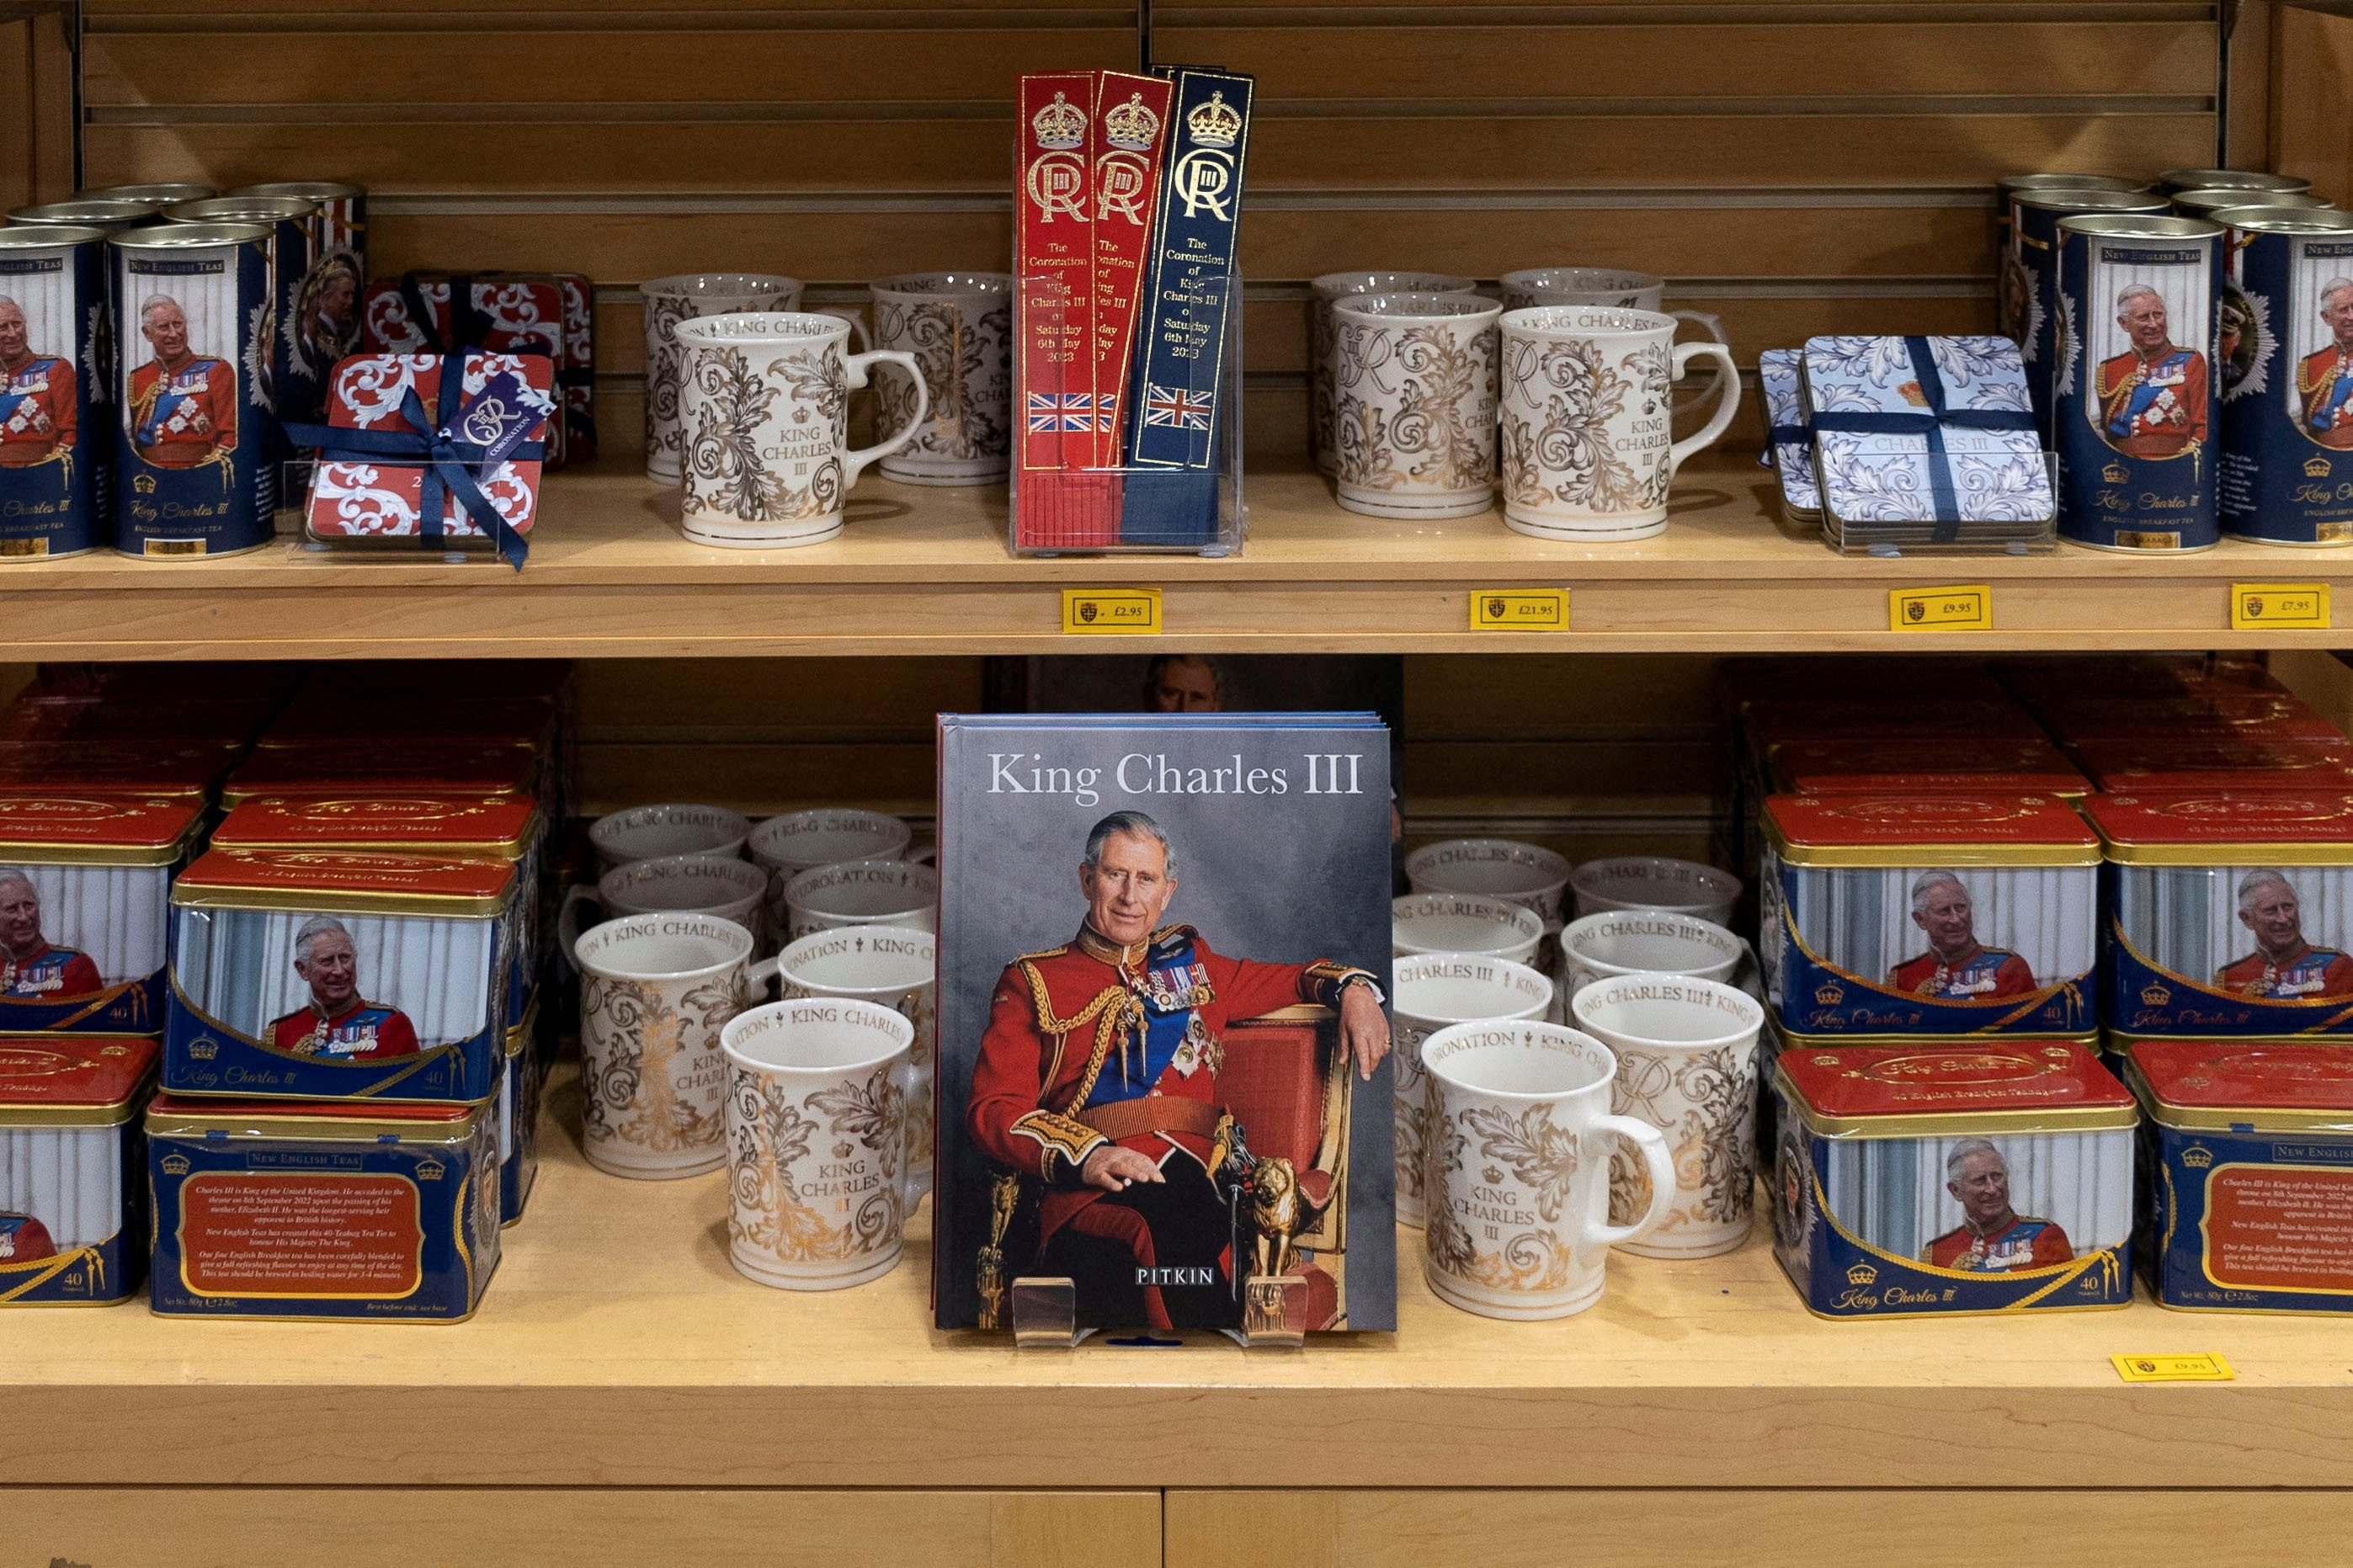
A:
(37, 119)
(2312, 74)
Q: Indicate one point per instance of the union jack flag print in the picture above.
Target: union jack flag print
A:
(1052, 411)
(1176, 407)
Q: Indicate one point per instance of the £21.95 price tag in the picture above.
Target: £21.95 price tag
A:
(1965, 608)
(1111, 612)
(2260, 604)
(1520, 610)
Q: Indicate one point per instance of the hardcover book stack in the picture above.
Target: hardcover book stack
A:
(1128, 370)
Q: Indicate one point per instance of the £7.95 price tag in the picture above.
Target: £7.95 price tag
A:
(2262, 605)
(1966, 608)
(1111, 612)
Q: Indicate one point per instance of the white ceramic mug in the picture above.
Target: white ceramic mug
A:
(1657, 882)
(1464, 923)
(655, 991)
(1589, 447)
(892, 965)
(1687, 1066)
(1428, 993)
(1521, 1133)
(1413, 413)
(649, 832)
(669, 884)
(860, 894)
(796, 841)
(1322, 293)
(959, 328)
(669, 301)
(1536, 286)
(764, 417)
(1612, 942)
(817, 1183)
(1526, 874)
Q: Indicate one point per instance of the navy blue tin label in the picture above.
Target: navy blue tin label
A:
(2286, 363)
(196, 430)
(2134, 416)
(53, 446)
(2248, 1221)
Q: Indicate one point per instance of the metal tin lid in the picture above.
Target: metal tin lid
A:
(497, 768)
(1979, 765)
(501, 824)
(336, 880)
(2231, 179)
(2271, 218)
(314, 189)
(98, 830)
(189, 235)
(2071, 182)
(2203, 766)
(2206, 204)
(1927, 1089)
(240, 209)
(2217, 827)
(73, 1081)
(316, 722)
(128, 767)
(326, 1120)
(1783, 721)
(47, 235)
(2085, 199)
(2138, 226)
(1928, 829)
(94, 212)
(158, 191)
(2269, 1086)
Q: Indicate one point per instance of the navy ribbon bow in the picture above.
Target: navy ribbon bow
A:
(448, 463)
(1932, 425)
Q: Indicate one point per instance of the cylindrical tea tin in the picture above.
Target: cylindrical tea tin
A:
(2028, 279)
(325, 324)
(2206, 204)
(2285, 362)
(1979, 1176)
(2247, 1179)
(193, 473)
(112, 214)
(342, 224)
(158, 191)
(297, 389)
(2009, 307)
(2173, 180)
(2132, 418)
(55, 445)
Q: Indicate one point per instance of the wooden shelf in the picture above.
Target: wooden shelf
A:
(926, 571)
(618, 1347)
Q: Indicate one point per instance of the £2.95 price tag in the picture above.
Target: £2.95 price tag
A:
(1111, 612)
(2173, 1368)
(1966, 608)
(1520, 610)
(2260, 604)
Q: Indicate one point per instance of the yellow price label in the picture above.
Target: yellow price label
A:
(2173, 1368)
(1966, 608)
(1520, 610)
(2254, 605)
(1111, 612)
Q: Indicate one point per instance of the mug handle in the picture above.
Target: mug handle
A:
(1713, 326)
(1653, 1146)
(766, 970)
(858, 326)
(854, 463)
(1729, 377)
(567, 919)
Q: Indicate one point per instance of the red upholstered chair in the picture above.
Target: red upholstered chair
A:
(1285, 1083)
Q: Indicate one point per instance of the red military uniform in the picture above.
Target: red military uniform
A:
(2153, 407)
(24, 1238)
(1987, 972)
(1092, 1043)
(49, 971)
(36, 409)
(180, 420)
(2020, 1245)
(364, 1030)
(2309, 971)
(2325, 383)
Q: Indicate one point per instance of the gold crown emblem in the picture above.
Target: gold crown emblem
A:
(1216, 123)
(144, 484)
(1132, 125)
(175, 1164)
(204, 1050)
(1831, 993)
(2154, 995)
(2196, 1158)
(2115, 473)
(1061, 125)
(1862, 1274)
(431, 1170)
(2316, 468)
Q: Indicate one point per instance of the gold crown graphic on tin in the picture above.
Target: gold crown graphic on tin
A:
(2316, 468)
(1831, 993)
(175, 1164)
(1132, 125)
(144, 484)
(2154, 995)
(204, 1050)
(1061, 125)
(1216, 123)
(1862, 1274)
(431, 1170)
(2115, 473)
(2196, 1158)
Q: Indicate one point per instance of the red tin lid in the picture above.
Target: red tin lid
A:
(346, 1110)
(2222, 1083)
(2187, 766)
(72, 1079)
(97, 829)
(455, 680)
(345, 878)
(421, 824)
(48, 767)
(226, 722)
(333, 1121)
(1794, 722)
(1929, 1089)
(422, 768)
(1764, 677)
(2139, 674)
(180, 681)
(317, 721)
(1981, 764)
(2219, 827)
(2191, 720)
(1939, 830)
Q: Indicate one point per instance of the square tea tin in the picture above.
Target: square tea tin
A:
(73, 1200)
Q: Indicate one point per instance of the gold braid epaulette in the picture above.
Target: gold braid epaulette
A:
(1113, 1011)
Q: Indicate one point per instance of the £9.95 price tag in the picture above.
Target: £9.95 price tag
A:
(1966, 607)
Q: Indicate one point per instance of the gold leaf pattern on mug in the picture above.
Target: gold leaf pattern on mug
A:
(1566, 453)
(1437, 436)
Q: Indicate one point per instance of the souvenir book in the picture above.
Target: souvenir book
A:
(1164, 958)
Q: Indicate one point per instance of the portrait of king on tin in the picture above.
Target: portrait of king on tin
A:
(2284, 966)
(32, 967)
(1956, 965)
(2150, 384)
(180, 403)
(39, 410)
(1993, 1237)
(337, 1022)
(2323, 399)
